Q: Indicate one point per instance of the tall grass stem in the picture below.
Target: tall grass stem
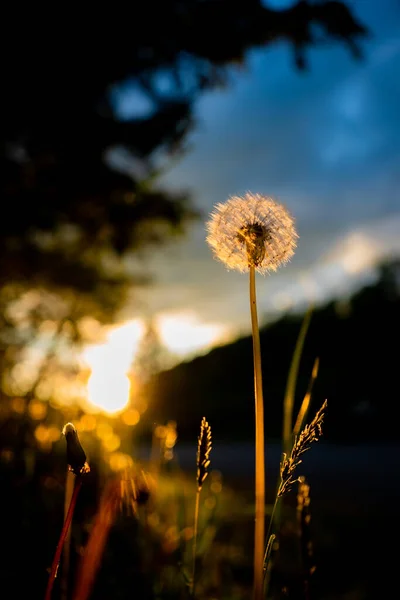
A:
(195, 528)
(305, 405)
(291, 384)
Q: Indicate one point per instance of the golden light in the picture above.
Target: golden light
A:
(18, 405)
(185, 334)
(104, 431)
(37, 409)
(42, 434)
(131, 417)
(109, 386)
(87, 423)
(111, 443)
(46, 436)
(54, 433)
(119, 461)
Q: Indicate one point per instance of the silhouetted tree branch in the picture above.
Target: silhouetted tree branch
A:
(69, 216)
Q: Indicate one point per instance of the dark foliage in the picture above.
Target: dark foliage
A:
(65, 205)
(355, 342)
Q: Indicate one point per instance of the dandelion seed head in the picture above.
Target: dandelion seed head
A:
(252, 230)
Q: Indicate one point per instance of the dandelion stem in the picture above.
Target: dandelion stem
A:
(259, 528)
(64, 532)
(196, 520)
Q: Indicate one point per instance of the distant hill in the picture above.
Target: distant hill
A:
(358, 343)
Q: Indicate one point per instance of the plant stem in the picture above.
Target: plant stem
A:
(64, 532)
(270, 526)
(196, 520)
(259, 528)
(288, 403)
(69, 490)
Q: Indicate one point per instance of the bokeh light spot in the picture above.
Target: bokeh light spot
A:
(131, 417)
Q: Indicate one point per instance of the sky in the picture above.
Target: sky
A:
(325, 143)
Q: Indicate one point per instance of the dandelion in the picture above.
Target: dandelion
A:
(253, 231)
(250, 234)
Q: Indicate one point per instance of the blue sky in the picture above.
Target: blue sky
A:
(326, 143)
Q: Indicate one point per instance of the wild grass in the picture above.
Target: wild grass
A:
(290, 463)
(252, 234)
(288, 403)
(184, 558)
(204, 445)
(165, 525)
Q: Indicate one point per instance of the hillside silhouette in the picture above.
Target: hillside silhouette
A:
(81, 178)
(356, 342)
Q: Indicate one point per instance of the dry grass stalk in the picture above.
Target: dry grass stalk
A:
(311, 433)
(204, 445)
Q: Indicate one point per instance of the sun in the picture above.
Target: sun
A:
(108, 387)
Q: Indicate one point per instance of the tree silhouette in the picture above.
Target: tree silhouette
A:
(151, 357)
(73, 217)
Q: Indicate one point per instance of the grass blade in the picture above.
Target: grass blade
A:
(291, 383)
(305, 405)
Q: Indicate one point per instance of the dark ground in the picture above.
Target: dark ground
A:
(355, 494)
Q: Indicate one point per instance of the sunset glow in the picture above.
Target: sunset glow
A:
(184, 334)
(109, 385)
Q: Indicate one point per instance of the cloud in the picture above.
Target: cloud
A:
(325, 143)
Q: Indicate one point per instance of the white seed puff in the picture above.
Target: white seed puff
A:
(252, 230)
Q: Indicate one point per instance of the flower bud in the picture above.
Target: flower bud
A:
(76, 456)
